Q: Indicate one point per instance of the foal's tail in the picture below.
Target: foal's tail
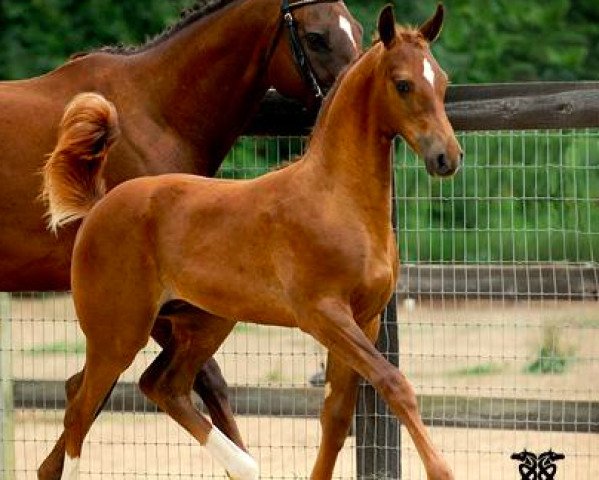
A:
(73, 180)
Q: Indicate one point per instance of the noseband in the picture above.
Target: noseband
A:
(297, 49)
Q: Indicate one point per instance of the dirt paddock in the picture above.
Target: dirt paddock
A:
(132, 446)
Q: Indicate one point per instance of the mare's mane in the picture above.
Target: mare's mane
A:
(200, 9)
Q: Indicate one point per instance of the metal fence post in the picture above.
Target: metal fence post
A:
(7, 444)
(378, 439)
(378, 435)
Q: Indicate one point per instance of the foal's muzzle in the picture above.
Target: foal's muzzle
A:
(442, 164)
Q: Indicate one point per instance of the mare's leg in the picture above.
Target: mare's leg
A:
(169, 379)
(209, 382)
(333, 325)
(341, 391)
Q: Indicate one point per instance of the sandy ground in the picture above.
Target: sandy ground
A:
(151, 446)
(478, 349)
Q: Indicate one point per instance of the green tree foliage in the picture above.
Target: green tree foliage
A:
(38, 35)
(483, 40)
(507, 40)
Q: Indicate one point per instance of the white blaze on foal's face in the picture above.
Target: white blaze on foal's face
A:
(428, 72)
(346, 27)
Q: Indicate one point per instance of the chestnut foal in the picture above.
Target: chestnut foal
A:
(309, 246)
(183, 99)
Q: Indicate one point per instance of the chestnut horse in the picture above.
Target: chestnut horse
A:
(183, 99)
(309, 246)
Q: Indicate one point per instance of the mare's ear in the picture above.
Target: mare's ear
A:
(387, 25)
(431, 29)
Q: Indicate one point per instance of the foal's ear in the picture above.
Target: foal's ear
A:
(387, 25)
(431, 29)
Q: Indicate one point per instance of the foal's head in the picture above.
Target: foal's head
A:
(412, 85)
(331, 39)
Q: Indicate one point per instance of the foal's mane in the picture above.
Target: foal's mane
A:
(200, 9)
(405, 33)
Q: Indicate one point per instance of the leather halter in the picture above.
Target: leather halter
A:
(297, 49)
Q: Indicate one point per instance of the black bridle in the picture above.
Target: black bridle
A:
(297, 49)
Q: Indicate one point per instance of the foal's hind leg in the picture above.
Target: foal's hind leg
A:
(110, 349)
(52, 466)
(209, 382)
(169, 379)
(341, 391)
(103, 367)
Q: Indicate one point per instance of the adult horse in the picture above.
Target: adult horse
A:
(183, 99)
(309, 246)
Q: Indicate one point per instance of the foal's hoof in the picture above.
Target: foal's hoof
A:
(247, 472)
(441, 473)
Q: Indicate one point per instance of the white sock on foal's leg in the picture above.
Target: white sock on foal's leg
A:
(70, 469)
(238, 464)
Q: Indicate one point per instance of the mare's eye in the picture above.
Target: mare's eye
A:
(403, 86)
(317, 42)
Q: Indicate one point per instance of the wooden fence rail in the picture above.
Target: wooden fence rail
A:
(512, 106)
(510, 282)
(437, 410)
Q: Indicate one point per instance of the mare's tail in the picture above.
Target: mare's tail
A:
(73, 180)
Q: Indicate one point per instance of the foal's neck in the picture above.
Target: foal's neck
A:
(208, 78)
(348, 144)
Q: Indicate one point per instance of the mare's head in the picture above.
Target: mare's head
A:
(411, 87)
(329, 36)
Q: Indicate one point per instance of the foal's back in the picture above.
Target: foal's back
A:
(223, 244)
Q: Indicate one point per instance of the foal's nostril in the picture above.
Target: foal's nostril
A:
(442, 165)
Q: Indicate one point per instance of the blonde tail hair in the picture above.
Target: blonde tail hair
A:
(72, 176)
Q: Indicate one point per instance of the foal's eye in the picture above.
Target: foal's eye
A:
(317, 42)
(403, 86)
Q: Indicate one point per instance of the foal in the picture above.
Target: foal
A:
(309, 246)
(183, 99)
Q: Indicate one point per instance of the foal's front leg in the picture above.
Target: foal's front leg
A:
(332, 324)
(341, 391)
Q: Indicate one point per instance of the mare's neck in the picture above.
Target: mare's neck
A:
(208, 79)
(348, 145)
